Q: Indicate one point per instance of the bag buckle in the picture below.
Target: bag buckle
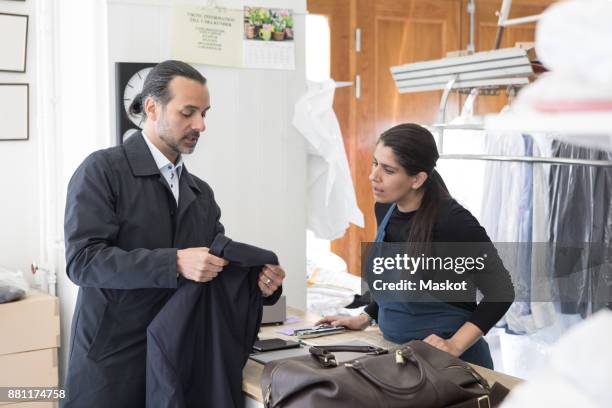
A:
(329, 360)
(483, 398)
(376, 351)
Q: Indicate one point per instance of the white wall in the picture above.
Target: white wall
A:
(19, 181)
(80, 92)
(250, 154)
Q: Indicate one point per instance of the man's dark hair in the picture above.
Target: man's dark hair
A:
(156, 84)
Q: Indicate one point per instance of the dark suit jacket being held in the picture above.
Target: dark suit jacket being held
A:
(200, 341)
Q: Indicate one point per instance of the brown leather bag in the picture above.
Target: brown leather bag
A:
(414, 375)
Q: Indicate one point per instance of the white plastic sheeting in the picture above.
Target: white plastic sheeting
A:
(577, 373)
(574, 38)
(331, 202)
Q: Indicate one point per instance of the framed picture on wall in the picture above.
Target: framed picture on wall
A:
(13, 51)
(14, 112)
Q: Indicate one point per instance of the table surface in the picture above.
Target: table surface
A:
(253, 370)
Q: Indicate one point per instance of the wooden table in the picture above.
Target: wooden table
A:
(253, 370)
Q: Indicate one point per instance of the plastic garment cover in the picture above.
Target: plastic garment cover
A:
(581, 228)
(563, 92)
(576, 375)
(573, 37)
(541, 274)
(556, 92)
(13, 285)
(507, 217)
(331, 201)
(573, 41)
(464, 178)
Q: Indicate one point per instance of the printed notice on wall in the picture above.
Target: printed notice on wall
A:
(268, 38)
(207, 35)
(255, 37)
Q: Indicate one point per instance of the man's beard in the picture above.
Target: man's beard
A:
(166, 136)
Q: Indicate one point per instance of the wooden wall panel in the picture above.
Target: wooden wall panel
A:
(397, 46)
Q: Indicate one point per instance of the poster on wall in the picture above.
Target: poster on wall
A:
(268, 38)
(14, 116)
(13, 52)
(255, 37)
(207, 35)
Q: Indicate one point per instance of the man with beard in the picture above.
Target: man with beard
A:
(135, 220)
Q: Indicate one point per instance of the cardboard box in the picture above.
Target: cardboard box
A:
(33, 404)
(29, 324)
(29, 369)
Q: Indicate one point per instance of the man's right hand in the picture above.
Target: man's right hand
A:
(198, 265)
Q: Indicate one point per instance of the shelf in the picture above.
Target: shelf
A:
(597, 123)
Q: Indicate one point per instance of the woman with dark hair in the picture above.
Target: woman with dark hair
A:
(414, 206)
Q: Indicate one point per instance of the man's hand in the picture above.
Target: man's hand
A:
(270, 278)
(198, 265)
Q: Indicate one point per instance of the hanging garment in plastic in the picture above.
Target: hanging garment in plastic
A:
(581, 228)
(507, 217)
(467, 190)
(542, 290)
(331, 202)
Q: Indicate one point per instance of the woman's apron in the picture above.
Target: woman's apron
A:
(401, 322)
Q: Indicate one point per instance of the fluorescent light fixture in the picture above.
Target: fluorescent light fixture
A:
(498, 68)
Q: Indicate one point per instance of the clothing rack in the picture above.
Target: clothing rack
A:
(524, 159)
(530, 159)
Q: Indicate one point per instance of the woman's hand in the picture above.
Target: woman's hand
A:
(350, 322)
(445, 345)
(463, 339)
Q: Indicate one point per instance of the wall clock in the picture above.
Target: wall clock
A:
(129, 79)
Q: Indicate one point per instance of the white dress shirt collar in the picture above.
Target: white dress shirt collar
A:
(162, 161)
(170, 172)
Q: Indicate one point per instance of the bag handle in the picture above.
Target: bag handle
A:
(323, 354)
(495, 397)
(403, 356)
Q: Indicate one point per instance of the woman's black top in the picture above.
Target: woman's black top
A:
(456, 224)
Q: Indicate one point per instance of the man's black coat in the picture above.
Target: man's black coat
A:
(122, 230)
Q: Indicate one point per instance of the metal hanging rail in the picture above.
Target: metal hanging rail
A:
(529, 159)
(525, 159)
(504, 21)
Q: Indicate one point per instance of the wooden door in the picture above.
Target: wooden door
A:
(341, 16)
(394, 32)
